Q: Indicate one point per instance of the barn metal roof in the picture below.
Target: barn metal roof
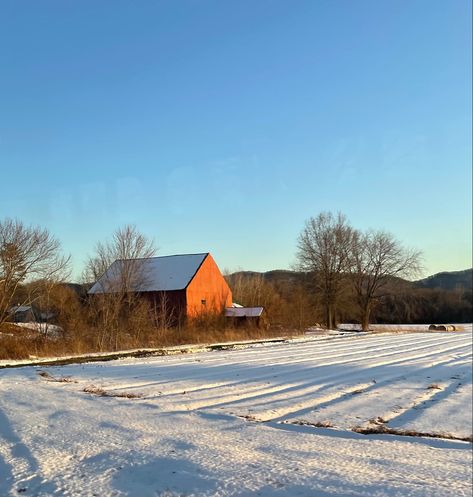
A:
(156, 274)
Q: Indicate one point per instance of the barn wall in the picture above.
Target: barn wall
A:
(169, 306)
(210, 286)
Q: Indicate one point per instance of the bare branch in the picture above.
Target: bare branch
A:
(377, 259)
(27, 253)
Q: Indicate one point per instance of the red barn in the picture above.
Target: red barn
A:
(190, 284)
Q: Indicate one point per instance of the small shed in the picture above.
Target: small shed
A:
(244, 315)
(24, 314)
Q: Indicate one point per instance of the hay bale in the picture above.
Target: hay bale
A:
(442, 327)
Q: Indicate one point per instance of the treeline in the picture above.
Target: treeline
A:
(426, 305)
(291, 299)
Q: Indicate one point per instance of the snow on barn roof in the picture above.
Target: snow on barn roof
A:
(20, 308)
(156, 274)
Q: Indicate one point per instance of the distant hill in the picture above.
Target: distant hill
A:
(80, 289)
(448, 280)
(274, 276)
(445, 280)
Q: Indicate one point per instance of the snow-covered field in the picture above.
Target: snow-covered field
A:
(247, 421)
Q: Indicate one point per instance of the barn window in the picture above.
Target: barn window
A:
(203, 302)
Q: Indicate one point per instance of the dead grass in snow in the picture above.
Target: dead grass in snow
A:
(61, 379)
(100, 392)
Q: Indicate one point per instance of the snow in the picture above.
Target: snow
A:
(119, 354)
(45, 328)
(397, 327)
(240, 422)
(20, 308)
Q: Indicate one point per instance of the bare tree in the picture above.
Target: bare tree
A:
(250, 289)
(26, 253)
(377, 259)
(163, 313)
(323, 251)
(118, 267)
(129, 248)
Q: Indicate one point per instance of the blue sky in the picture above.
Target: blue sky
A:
(221, 126)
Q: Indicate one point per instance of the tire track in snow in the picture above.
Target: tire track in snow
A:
(303, 390)
(279, 350)
(203, 374)
(295, 408)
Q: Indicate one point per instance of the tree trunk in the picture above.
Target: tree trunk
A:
(330, 316)
(365, 317)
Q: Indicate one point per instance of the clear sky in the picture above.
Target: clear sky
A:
(221, 126)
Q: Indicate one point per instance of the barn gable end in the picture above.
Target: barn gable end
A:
(207, 292)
